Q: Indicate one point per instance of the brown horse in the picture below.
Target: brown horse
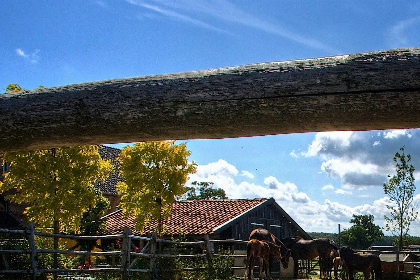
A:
(363, 263)
(310, 249)
(338, 261)
(264, 235)
(262, 249)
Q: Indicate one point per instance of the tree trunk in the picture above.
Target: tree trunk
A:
(56, 231)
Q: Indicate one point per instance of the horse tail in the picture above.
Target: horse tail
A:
(249, 259)
(378, 268)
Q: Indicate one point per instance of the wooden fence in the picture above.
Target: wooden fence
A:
(128, 254)
(124, 259)
(406, 265)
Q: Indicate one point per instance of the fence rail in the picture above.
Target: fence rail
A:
(129, 253)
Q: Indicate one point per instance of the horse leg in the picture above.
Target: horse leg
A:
(366, 274)
(267, 268)
(321, 268)
(351, 273)
(261, 268)
(247, 267)
(251, 268)
(335, 270)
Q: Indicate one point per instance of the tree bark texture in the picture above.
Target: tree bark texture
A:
(367, 91)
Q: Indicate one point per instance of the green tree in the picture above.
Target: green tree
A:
(363, 232)
(206, 191)
(154, 174)
(400, 190)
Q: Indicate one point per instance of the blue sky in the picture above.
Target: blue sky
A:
(320, 179)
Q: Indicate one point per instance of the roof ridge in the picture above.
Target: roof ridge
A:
(111, 214)
(226, 199)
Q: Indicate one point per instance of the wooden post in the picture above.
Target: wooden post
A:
(125, 261)
(398, 263)
(32, 247)
(209, 250)
(153, 249)
(113, 256)
(367, 91)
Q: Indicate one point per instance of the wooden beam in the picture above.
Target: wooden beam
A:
(376, 90)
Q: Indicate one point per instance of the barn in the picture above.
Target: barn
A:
(220, 219)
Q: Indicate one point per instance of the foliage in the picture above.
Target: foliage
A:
(328, 235)
(14, 261)
(91, 225)
(206, 191)
(91, 222)
(400, 190)
(22, 261)
(55, 184)
(46, 260)
(13, 88)
(363, 232)
(154, 174)
(17, 88)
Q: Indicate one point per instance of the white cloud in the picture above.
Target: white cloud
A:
(219, 168)
(196, 12)
(294, 154)
(336, 211)
(327, 187)
(362, 159)
(396, 133)
(323, 139)
(273, 183)
(341, 191)
(21, 53)
(175, 15)
(399, 33)
(300, 197)
(308, 213)
(32, 57)
(101, 3)
(247, 174)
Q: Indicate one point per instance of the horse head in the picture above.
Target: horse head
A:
(285, 258)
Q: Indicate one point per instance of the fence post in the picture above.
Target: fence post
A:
(398, 263)
(32, 247)
(125, 258)
(153, 249)
(209, 255)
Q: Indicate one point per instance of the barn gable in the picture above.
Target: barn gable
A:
(268, 215)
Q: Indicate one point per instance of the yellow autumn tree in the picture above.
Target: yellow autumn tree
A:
(154, 174)
(57, 185)
(13, 88)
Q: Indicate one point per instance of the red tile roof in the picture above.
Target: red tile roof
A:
(190, 217)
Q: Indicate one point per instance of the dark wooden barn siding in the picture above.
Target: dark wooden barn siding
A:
(265, 216)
